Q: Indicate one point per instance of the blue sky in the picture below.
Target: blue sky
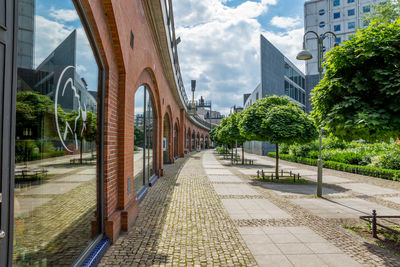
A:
(53, 23)
(220, 43)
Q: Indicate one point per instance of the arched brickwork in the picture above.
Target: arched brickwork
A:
(126, 68)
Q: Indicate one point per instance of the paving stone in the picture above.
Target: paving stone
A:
(300, 189)
(369, 190)
(393, 199)
(253, 209)
(218, 172)
(234, 189)
(51, 189)
(328, 179)
(76, 178)
(30, 204)
(342, 208)
(224, 179)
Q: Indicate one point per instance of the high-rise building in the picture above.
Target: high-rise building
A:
(279, 76)
(342, 17)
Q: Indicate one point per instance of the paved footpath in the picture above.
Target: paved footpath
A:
(204, 212)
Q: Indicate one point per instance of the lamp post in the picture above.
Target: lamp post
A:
(193, 89)
(306, 55)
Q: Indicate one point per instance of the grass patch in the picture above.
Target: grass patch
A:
(386, 239)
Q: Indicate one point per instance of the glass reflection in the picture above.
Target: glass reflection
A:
(144, 139)
(56, 131)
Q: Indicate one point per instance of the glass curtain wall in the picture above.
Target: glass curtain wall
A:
(144, 139)
(56, 177)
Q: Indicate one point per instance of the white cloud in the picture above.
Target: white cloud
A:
(66, 15)
(220, 47)
(286, 22)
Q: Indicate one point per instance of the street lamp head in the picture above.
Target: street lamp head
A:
(304, 55)
(193, 85)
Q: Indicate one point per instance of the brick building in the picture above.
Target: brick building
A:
(72, 178)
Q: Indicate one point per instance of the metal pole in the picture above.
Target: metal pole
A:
(319, 179)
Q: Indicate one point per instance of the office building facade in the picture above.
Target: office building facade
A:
(279, 76)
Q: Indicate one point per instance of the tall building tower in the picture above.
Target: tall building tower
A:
(342, 17)
(26, 30)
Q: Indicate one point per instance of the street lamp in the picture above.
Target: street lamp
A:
(193, 89)
(306, 55)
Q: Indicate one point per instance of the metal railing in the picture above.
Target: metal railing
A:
(373, 220)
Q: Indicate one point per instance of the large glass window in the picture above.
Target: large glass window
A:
(351, 12)
(351, 25)
(336, 28)
(336, 2)
(336, 15)
(144, 139)
(55, 137)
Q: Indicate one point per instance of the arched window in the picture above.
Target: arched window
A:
(144, 139)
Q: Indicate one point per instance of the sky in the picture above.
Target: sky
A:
(53, 23)
(220, 45)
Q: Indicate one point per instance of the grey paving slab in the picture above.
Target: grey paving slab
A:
(218, 171)
(235, 189)
(342, 208)
(328, 179)
(304, 172)
(59, 170)
(224, 179)
(247, 209)
(77, 178)
(29, 204)
(88, 171)
(393, 199)
(51, 189)
(249, 171)
(292, 246)
(369, 190)
(300, 189)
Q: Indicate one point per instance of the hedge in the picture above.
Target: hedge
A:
(363, 170)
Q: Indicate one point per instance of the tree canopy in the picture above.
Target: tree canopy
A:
(359, 96)
(384, 12)
(277, 120)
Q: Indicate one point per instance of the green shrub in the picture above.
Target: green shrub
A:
(284, 148)
(222, 150)
(363, 170)
(333, 143)
(389, 160)
(24, 150)
(303, 150)
(45, 146)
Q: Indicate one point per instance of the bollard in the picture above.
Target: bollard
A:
(374, 224)
(258, 174)
(281, 172)
(290, 173)
(272, 176)
(262, 173)
(294, 178)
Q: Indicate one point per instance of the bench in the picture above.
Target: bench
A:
(26, 172)
(78, 161)
(246, 161)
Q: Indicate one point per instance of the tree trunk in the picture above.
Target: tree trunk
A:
(277, 162)
(232, 154)
(81, 151)
(236, 150)
(242, 153)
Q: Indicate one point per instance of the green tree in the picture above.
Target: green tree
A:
(383, 13)
(139, 136)
(231, 132)
(277, 120)
(85, 130)
(359, 96)
(31, 108)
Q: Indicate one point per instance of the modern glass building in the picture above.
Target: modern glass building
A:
(279, 76)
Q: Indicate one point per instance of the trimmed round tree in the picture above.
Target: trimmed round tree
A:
(277, 120)
(359, 96)
(230, 131)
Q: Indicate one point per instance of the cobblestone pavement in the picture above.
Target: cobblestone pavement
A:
(181, 222)
(184, 221)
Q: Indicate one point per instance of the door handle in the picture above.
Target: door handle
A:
(2, 234)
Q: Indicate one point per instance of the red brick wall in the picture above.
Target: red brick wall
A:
(111, 22)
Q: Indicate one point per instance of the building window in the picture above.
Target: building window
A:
(287, 88)
(351, 25)
(366, 9)
(144, 139)
(257, 96)
(336, 28)
(336, 15)
(350, 12)
(339, 40)
(56, 134)
(336, 2)
(324, 49)
(350, 1)
(322, 24)
(322, 12)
